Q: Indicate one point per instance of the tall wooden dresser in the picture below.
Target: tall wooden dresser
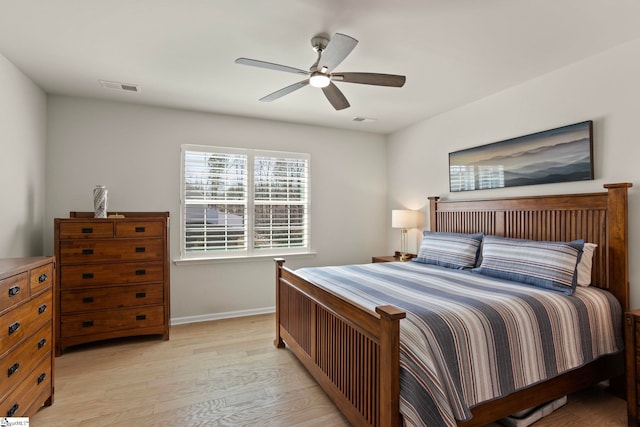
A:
(26, 335)
(113, 277)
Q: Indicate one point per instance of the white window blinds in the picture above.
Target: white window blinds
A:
(280, 202)
(224, 215)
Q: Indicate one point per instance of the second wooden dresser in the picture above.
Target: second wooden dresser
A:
(113, 277)
(26, 337)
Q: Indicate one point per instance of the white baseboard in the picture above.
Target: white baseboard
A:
(218, 316)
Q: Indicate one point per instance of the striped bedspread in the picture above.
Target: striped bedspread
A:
(469, 338)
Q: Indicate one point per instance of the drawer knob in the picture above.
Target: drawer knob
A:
(141, 294)
(87, 230)
(42, 278)
(141, 317)
(87, 300)
(87, 323)
(42, 377)
(87, 251)
(42, 343)
(141, 249)
(14, 327)
(141, 272)
(11, 412)
(13, 291)
(140, 229)
(13, 369)
(87, 275)
(42, 308)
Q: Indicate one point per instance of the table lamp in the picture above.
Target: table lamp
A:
(404, 219)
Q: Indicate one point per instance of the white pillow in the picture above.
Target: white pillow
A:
(584, 266)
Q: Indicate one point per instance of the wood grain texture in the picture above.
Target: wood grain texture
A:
(222, 373)
(216, 373)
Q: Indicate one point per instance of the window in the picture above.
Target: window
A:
(470, 177)
(239, 202)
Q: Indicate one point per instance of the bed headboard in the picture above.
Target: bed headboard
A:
(600, 218)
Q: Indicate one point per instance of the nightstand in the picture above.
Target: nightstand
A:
(390, 258)
(632, 350)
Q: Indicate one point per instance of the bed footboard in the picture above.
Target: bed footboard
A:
(352, 352)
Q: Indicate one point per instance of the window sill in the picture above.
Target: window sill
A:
(220, 260)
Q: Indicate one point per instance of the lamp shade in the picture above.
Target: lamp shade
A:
(404, 218)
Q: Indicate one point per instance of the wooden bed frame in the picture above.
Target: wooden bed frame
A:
(353, 352)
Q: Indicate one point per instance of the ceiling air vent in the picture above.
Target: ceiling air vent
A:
(120, 86)
(363, 119)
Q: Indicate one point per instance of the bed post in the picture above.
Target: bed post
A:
(278, 342)
(389, 362)
(618, 224)
(618, 258)
(433, 219)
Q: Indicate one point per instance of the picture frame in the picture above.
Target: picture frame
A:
(562, 154)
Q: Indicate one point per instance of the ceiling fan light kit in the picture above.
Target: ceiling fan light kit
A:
(330, 54)
(318, 79)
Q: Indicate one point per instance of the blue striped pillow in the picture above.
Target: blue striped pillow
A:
(451, 250)
(550, 265)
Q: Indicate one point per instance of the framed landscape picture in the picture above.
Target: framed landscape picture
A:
(558, 155)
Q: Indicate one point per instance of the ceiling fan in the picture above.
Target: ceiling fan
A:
(330, 54)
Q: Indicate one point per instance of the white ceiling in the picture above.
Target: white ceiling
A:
(182, 52)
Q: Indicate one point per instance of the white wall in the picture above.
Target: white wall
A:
(604, 88)
(135, 151)
(22, 163)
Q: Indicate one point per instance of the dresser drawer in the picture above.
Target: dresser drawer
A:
(79, 276)
(109, 297)
(21, 322)
(16, 365)
(140, 229)
(41, 278)
(86, 230)
(88, 251)
(111, 320)
(13, 290)
(37, 383)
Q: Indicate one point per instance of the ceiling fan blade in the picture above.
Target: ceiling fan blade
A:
(370, 79)
(336, 51)
(335, 97)
(271, 66)
(284, 91)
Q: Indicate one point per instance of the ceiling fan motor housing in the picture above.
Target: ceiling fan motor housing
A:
(319, 42)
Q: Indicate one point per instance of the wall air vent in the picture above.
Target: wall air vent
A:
(120, 86)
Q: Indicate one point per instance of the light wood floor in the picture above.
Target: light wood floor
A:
(222, 373)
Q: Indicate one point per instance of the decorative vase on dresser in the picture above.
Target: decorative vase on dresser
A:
(113, 276)
(26, 335)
